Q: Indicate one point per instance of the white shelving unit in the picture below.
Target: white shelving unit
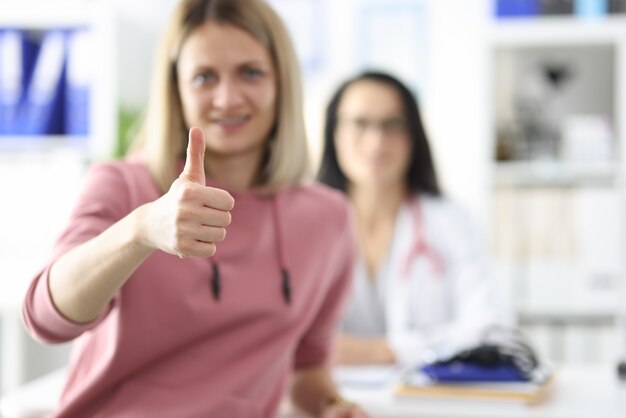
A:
(40, 175)
(567, 311)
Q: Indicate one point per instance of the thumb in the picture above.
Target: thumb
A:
(194, 164)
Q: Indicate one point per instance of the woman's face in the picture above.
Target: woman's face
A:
(371, 138)
(227, 86)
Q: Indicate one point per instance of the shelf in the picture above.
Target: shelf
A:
(43, 144)
(554, 173)
(557, 31)
(529, 312)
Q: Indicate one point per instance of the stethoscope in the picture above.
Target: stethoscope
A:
(419, 246)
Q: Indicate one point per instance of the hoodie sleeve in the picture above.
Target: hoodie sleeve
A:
(315, 348)
(102, 202)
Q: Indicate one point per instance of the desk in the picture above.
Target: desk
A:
(580, 392)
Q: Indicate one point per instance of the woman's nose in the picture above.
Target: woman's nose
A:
(227, 94)
(374, 136)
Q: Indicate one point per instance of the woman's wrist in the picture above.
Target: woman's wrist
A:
(140, 233)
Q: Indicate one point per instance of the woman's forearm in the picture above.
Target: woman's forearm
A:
(84, 280)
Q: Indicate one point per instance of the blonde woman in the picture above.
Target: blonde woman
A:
(198, 275)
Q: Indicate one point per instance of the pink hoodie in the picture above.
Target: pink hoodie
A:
(166, 347)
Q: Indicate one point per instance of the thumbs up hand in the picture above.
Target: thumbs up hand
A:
(190, 218)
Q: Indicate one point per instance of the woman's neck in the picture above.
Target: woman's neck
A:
(236, 173)
(375, 205)
(376, 212)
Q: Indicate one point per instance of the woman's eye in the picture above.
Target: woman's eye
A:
(201, 79)
(361, 124)
(394, 125)
(252, 73)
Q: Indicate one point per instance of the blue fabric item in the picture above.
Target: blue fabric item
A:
(458, 371)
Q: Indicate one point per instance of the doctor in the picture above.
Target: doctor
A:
(421, 284)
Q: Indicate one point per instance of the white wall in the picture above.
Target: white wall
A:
(139, 27)
(457, 100)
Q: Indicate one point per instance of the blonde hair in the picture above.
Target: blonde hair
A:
(162, 138)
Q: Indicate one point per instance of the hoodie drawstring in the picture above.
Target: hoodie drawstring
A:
(280, 250)
(285, 286)
(216, 283)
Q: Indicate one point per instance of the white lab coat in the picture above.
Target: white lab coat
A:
(425, 314)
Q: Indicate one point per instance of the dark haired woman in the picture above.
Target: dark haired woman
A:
(421, 283)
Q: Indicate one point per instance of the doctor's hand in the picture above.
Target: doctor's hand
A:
(190, 218)
(353, 349)
(343, 410)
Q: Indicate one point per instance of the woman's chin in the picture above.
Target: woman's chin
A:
(378, 183)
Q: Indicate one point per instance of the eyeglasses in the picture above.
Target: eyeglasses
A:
(389, 126)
